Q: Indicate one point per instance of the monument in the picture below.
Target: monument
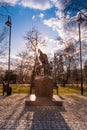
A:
(43, 83)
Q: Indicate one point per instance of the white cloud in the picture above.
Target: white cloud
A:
(41, 15)
(37, 4)
(11, 2)
(53, 22)
(33, 17)
(60, 14)
(51, 44)
(67, 29)
(60, 4)
(56, 24)
(4, 61)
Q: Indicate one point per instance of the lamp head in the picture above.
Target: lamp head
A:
(8, 23)
(80, 19)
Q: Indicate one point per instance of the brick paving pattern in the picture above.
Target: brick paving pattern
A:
(15, 116)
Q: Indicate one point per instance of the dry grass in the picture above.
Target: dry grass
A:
(25, 88)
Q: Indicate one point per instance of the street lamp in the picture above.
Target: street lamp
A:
(80, 20)
(8, 23)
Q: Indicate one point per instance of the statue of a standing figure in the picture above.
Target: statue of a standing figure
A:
(44, 62)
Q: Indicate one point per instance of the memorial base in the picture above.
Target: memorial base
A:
(32, 100)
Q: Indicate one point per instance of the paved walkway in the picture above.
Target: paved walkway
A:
(15, 116)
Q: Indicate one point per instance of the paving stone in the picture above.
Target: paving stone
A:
(15, 116)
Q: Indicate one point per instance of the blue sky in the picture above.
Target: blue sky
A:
(23, 19)
(47, 16)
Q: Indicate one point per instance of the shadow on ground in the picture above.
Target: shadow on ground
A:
(16, 116)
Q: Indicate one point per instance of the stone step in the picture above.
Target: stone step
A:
(32, 100)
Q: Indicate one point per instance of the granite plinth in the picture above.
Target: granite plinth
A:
(32, 100)
(43, 93)
(44, 86)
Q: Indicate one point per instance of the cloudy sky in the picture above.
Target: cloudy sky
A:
(54, 19)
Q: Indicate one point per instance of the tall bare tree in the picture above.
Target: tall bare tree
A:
(34, 42)
(27, 58)
(3, 45)
(66, 61)
(23, 66)
(3, 30)
(85, 72)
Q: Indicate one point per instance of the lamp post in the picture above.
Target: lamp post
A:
(80, 20)
(8, 23)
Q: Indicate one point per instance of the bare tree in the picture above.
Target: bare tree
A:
(34, 42)
(27, 59)
(3, 45)
(85, 72)
(23, 66)
(3, 31)
(58, 68)
(26, 62)
(71, 59)
(66, 61)
(75, 6)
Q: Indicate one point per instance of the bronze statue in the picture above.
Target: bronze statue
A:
(44, 61)
(41, 66)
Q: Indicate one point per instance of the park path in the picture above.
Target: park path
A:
(15, 116)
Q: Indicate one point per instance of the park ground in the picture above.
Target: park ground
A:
(25, 89)
(14, 115)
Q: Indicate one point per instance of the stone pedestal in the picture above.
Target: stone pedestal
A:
(43, 93)
(44, 86)
(32, 100)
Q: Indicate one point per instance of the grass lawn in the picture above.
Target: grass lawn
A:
(24, 88)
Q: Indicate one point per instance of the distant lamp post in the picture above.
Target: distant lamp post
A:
(80, 20)
(8, 23)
